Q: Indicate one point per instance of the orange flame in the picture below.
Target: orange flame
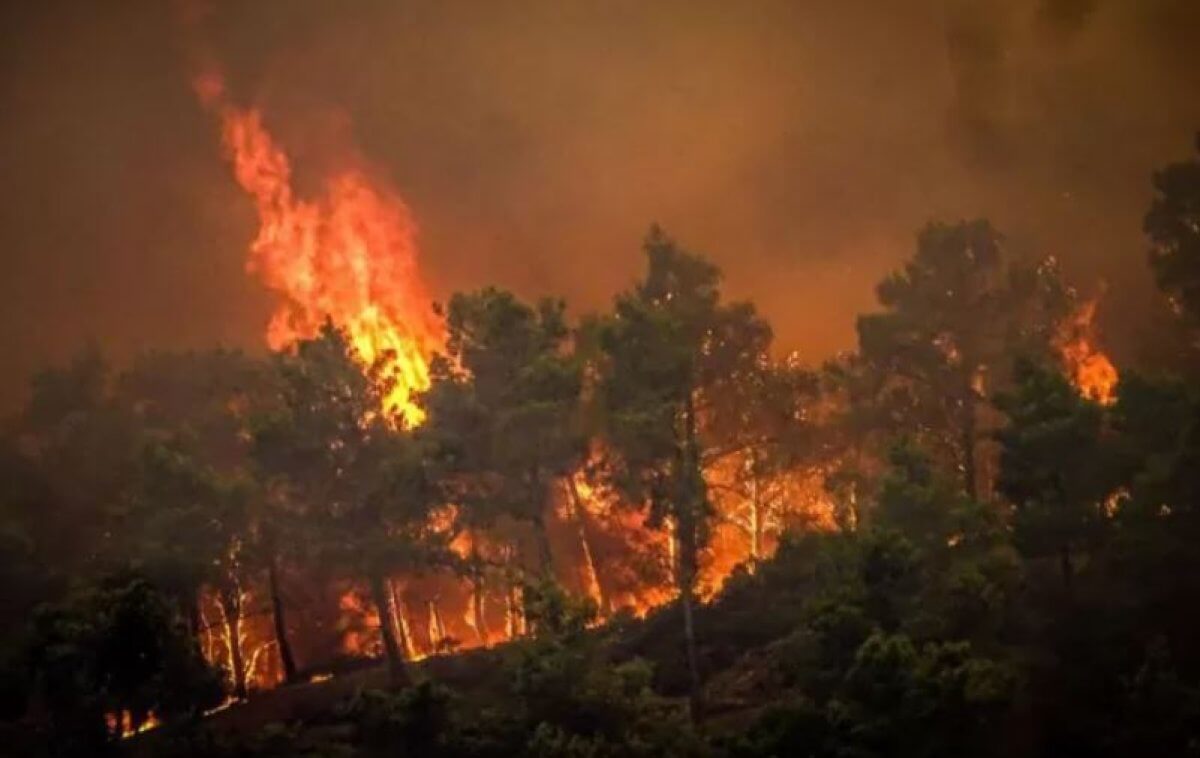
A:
(349, 256)
(1089, 369)
(123, 725)
(255, 642)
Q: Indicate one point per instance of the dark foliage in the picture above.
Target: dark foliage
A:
(1008, 567)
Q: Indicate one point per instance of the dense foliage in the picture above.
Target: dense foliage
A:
(1007, 563)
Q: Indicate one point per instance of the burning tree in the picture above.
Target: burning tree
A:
(112, 658)
(198, 479)
(670, 350)
(763, 474)
(503, 411)
(356, 477)
(953, 319)
(348, 256)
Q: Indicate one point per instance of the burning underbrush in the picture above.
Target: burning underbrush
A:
(602, 551)
(349, 259)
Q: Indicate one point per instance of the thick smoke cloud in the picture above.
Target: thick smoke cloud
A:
(799, 144)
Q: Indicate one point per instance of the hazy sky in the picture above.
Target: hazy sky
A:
(799, 143)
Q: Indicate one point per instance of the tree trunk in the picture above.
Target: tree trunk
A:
(512, 613)
(277, 612)
(401, 623)
(855, 516)
(477, 590)
(397, 671)
(514, 621)
(756, 517)
(231, 604)
(437, 629)
(755, 535)
(686, 575)
(589, 562)
(690, 512)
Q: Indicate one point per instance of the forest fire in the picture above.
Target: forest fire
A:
(349, 257)
(728, 406)
(228, 633)
(124, 725)
(1087, 366)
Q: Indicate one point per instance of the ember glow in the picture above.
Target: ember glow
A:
(125, 726)
(348, 256)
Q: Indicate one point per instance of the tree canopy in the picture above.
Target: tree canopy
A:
(658, 534)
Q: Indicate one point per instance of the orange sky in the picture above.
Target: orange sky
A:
(800, 144)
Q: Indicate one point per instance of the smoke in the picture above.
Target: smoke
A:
(976, 43)
(1062, 19)
(799, 144)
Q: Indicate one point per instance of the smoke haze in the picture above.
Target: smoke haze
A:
(800, 144)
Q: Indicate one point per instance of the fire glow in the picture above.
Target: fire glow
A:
(349, 256)
(1088, 368)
